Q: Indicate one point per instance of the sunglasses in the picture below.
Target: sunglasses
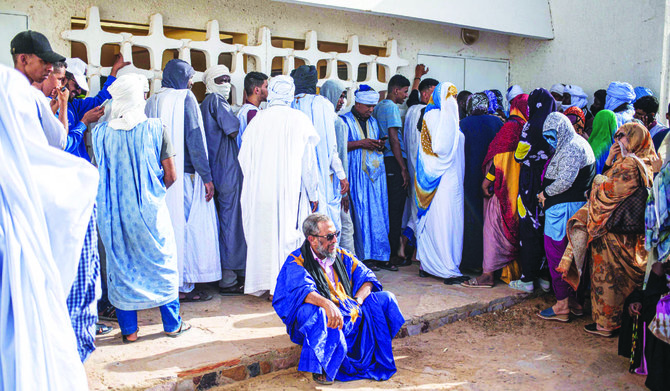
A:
(619, 136)
(329, 237)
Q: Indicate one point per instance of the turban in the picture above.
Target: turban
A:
(557, 88)
(477, 104)
(176, 74)
(127, 101)
(212, 73)
(513, 92)
(280, 90)
(305, 78)
(366, 95)
(578, 97)
(642, 91)
(618, 93)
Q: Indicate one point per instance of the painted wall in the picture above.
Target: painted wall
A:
(284, 20)
(596, 43)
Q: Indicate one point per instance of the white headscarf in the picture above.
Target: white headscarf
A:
(513, 92)
(212, 73)
(366, 97)
(577, 96)
(281, 90)
(557, 88)
(128, 101)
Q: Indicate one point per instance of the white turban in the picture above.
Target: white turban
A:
(577, 96)
(212, 73)
(513, 92)
(366, 95)
(557, 88)
(127, 101)
(280, 90)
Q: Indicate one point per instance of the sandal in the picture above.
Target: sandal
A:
(404, 262)
(577, 311)
(593, 329)
(455, 280)
(322, 379)
(102, 329)
(371, 265)
(184, 327)
(126, 340)
(108, 314)
(549, 314)
(235, 290)
(195, 296)
(474, 283)
(387, 266)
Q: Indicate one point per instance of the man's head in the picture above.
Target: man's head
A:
(334, 91)
(556, 91)
(76, 77)
(178, 74)
(305, 78)
(426, 88)
(366, 100)
(256, 85)
(33, 56)
(599, 98)
(462, 101)
(398, 89)
(321, 235)
(645, 110)
(55, 81)
(217, 80)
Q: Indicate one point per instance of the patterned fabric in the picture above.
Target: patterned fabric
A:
(507, 138)
(493, 101)
(82, 294)
(572, 154)
(477, 104)
(576, 111)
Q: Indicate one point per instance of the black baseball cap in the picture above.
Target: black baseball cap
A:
(32, 42)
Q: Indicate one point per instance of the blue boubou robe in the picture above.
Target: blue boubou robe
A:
(362, 349)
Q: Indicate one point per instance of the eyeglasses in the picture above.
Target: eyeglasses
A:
(329, 237)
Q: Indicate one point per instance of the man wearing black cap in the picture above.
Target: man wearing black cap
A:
(33, 57)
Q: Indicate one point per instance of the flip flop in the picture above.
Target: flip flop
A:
(473, 283)
(549, 314)
(191, 297)
(404, 262)
(387, 266)
(235, 290)
(102, 329)
(184, 327)
(126, 340)
(593, 329)
(371, 265)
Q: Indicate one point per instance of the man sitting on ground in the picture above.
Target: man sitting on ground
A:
(333, 306)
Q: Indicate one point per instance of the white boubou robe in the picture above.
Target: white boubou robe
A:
(280, 171)
(197, 236)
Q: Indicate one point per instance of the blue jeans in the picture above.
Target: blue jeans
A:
(169, 313)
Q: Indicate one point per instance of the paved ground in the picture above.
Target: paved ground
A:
(510, 349)
(227, 329)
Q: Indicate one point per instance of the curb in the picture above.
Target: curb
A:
(231, 371)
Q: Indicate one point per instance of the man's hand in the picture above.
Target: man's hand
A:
(420, 70)
(92, 115)
(345, 204)
(541, 198)
(344, 185)
(371, 144)
(209, 191)
(314, 205)
(334, 315)
(405, 177)
(118, 64)
(634, 309)
(62, 96)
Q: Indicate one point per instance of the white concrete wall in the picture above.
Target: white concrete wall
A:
(285, 20)
(597, 42)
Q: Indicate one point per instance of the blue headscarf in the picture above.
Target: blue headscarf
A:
(493, 101)
(619, 93)
(642, 91)
(305, 78)
(176, 74)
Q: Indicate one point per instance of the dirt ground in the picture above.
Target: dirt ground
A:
(510, 349)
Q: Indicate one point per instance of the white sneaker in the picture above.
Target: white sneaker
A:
(522, 286)
(544, 285)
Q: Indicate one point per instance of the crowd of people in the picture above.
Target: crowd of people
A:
(294, 199)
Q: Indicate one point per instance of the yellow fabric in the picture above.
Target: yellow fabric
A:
(512, 169)
(522, 150)
(511, 272)
(490, 177)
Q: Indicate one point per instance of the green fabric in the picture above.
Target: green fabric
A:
(604, 127)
